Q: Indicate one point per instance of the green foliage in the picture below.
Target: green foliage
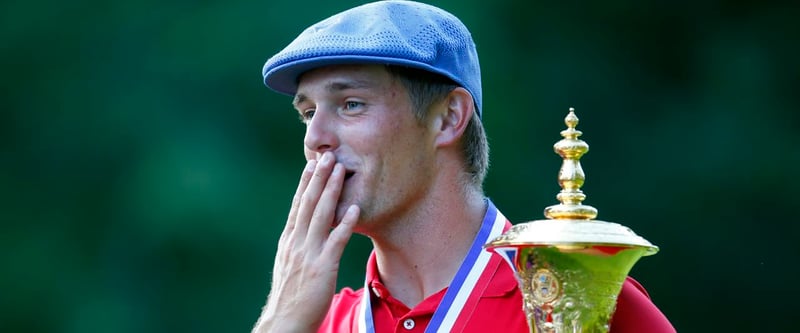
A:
(146, 172)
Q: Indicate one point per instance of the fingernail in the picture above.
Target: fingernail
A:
(311, 165)
(326, 157)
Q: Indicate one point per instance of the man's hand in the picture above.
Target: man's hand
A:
(307, 261)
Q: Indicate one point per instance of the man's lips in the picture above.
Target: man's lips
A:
(348, 174)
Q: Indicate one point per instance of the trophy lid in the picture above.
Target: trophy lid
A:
(570, 225)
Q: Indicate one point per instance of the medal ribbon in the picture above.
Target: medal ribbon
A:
(469, 283)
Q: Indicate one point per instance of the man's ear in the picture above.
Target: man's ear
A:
(459, 107)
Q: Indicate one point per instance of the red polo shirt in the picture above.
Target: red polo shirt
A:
(500, 307)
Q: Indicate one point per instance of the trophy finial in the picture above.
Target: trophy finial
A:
(571, 176)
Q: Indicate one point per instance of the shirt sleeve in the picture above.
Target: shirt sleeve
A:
(342, 314)
(636, 313)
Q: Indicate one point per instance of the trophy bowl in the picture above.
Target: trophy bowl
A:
(570, 267)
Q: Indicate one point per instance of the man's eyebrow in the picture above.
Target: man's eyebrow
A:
(337, 86)
(334, 87)
(299, 98)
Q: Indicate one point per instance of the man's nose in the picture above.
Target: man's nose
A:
(321, 132)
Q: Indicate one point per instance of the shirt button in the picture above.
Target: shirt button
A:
(376, 291)
(409, 324)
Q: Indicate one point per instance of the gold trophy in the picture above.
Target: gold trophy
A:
(570, 267)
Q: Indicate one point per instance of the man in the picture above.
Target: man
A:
(390, 94)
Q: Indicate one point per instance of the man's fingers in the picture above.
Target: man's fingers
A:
(305, 177)
(325, 211)
(340, 235)
(310, 198)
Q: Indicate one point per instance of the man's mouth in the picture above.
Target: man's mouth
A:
(348, 174)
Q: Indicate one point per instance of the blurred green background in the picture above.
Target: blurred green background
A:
(146, 172)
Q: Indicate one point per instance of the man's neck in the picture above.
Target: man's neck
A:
(421, 254)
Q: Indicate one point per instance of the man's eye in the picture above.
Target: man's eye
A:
(308, 114)
(349, 105)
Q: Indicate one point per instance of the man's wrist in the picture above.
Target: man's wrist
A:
(282, 325)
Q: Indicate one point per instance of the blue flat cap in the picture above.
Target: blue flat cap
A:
(393, 32)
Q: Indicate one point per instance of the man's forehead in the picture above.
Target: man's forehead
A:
(360, 73)
(342, 77)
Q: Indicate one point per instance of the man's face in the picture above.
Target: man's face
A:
(364, 116)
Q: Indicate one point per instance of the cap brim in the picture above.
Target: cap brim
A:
(285, 78)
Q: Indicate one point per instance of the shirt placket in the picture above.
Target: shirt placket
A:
(411, 323)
